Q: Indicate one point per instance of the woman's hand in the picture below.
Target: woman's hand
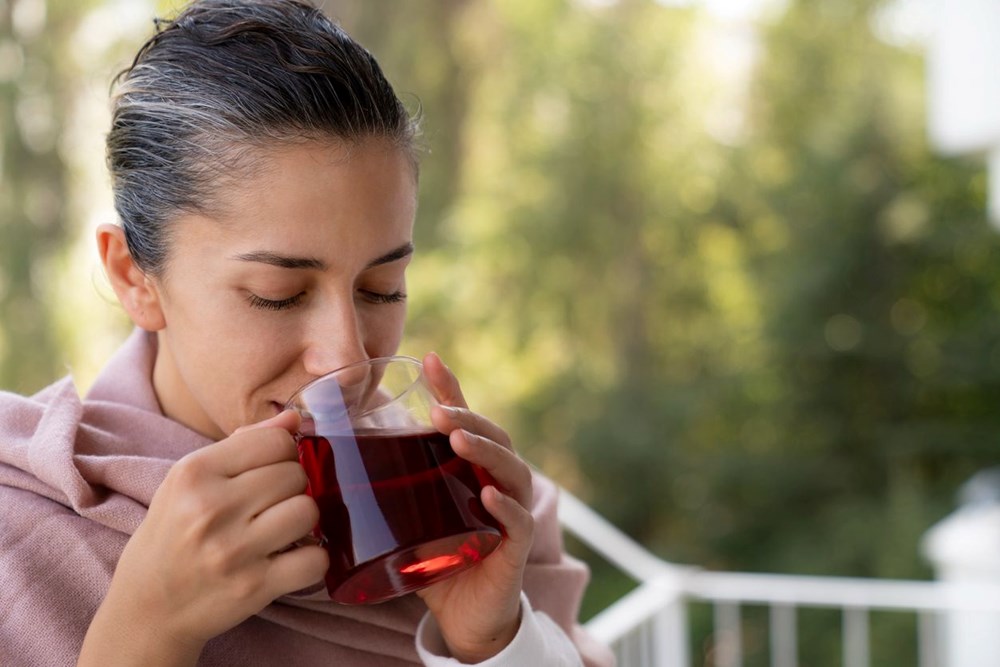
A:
(478, 610)
(211, 550)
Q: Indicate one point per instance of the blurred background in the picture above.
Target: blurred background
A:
(697, 256)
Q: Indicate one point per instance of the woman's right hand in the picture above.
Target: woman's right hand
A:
(211, 550)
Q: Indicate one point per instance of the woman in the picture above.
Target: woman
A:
(265, 176)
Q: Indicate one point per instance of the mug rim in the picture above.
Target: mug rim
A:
(364, 362)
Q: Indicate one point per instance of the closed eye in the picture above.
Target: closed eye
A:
(379, 297)
(274, 304)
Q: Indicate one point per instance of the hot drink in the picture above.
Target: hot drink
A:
(398, 511)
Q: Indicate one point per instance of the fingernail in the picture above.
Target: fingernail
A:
(450, 411)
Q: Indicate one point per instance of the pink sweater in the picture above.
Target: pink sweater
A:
(76, 478)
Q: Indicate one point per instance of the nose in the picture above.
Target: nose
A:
(335, 340)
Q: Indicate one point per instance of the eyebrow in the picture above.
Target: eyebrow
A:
(283, 261)
(402, 251)
(286, 262)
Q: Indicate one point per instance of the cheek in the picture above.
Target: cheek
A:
(270, 350)
(384, 330)
(235, 346)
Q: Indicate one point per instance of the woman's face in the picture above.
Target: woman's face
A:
(301, 273)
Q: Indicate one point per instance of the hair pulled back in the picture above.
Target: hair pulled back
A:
(221, 80)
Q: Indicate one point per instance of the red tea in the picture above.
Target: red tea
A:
(398, 511)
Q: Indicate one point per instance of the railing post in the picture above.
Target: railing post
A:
(671, 629)
(965, 550)
(928, 639)
(728, 642)
(856, 637)
(784, 636)
(656, 613)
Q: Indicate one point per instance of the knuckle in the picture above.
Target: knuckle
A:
(285, 437)
(189, 471)
(504, 439)
(479, 422)
(245, 586)
(279, 437)
(301, 513)
(185, 493)
(477, 440)
(221, 563)
(525, 480)
(270, 436)
(308, 510)
(289, 475)
(300, 476)
(199, 510)
(322, 562)
(529, 524)
(189, 503)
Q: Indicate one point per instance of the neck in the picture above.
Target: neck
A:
(174, 395)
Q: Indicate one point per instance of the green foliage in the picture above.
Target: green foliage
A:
(771, 351)
(48, 171)
(32, 216)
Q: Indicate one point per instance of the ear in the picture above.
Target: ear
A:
(136, 291)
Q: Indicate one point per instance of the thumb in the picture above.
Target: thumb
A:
(288, 420)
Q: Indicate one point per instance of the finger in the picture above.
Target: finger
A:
(280, 525)
(296, 569)
(511, 473)
(267, 486)
(253, 448)
(447, 418)
(518, 524)
(443, 382)
(286, 419)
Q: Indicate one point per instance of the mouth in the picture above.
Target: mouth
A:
(276, 407)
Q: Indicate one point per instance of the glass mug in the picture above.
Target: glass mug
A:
(399, 510)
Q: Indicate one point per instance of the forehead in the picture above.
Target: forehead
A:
(330, 198)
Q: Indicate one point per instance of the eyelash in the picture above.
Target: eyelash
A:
(268, 304)
(282, 304)
(378, 297)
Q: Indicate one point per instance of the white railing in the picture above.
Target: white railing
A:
(957, 625)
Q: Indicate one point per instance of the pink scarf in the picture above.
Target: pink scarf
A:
(76, 478)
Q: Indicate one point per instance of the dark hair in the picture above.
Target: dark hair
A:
(221, 80)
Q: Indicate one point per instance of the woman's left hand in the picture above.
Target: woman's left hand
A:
(478, 611)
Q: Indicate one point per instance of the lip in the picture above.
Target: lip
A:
(277, 407)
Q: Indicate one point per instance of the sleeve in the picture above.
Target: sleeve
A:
(555, 581)
(539, 641)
